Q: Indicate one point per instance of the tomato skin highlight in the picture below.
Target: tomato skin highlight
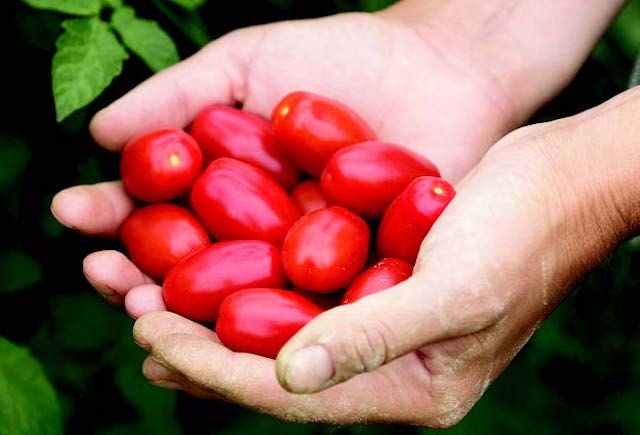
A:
(325, 250)
(224, 131)
(261, 320)
(384, 274)
(158, 236)
(367, 177)
(409, 218)
(308, 196)
(197, 285)
(160, 166)
(237, 201)
(310, 128)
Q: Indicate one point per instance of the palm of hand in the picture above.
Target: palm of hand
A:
(410, 92)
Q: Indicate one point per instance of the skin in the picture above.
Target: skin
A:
(434, 343)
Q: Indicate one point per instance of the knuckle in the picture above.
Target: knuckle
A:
(363, 349)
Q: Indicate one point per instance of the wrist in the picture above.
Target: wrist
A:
(592, 172)
(529, 50)
(604, 141)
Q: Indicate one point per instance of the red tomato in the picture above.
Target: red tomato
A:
(160, 166)
(409, 218)
(224, 131)
(325, 250)
(197, 285)
(308, 196)
(159, 235)
(310, 128)
(384, 274)
(262, 320)
(237, 201)
(366, 177)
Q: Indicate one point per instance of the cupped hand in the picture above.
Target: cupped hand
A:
(439, 102)
(546, 204)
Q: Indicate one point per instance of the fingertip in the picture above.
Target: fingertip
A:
(95, 210)
(102, 131)
(66, 206)
(144, 299)
(112, 273)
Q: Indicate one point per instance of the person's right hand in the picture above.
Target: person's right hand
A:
(424, 74)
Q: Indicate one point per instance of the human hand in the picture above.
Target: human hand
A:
(432, 78)
(546, 204)
(346, 57)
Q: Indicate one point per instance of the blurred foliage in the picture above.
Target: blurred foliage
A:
(579, 374)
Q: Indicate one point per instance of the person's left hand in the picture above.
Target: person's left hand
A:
(546, 204)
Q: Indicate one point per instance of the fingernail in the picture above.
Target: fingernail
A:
(309, 370)
(167, 384)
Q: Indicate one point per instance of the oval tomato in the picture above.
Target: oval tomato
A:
(325, 250)
(366, 177)
(237, 201)
(224, 131)
(160, 166)
(310, 128)
(409, 218)
(197, 285)
(308, 196)
(159, 235)
(384, 274)
(261, 320)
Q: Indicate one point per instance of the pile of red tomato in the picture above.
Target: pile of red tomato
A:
(285, 249)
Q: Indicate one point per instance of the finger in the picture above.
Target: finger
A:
(157, 324)
(95, 210)
(163, 377)
(144, 299)
(112, 274)
(249, 381)
(172, 98)
(403, 392)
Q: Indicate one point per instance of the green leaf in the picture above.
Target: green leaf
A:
(28, 403)
(190, 4)
(18, 270)
(87, 59)
(145, 38)
(72, 7)
(14, 157)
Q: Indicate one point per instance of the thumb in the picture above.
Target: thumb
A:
(360, 337)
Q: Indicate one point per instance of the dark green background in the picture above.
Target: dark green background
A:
(579, 374)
